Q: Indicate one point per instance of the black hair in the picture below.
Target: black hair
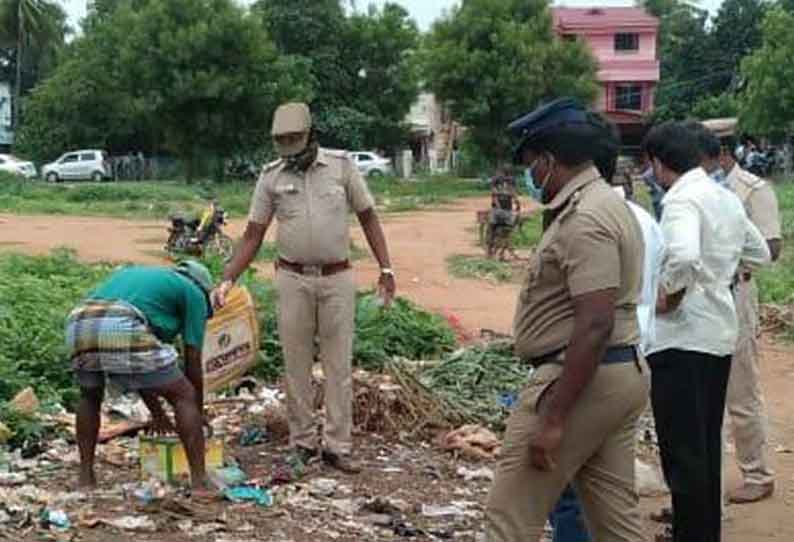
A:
(674, 145)
(575, 143)
(708, 143)
(606, 161)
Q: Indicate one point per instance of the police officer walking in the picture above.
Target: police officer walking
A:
(745, 399)
(576, 322)
(310, 192)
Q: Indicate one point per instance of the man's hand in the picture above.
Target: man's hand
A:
(161, 425)
(544, 444)
(387, 286)
(218, 295)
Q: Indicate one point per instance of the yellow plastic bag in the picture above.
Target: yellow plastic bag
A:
(231, 341)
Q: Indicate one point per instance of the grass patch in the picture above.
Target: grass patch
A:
(776, 282)
(477, 267)
(398, 196)
(159, 199)
(530, 232)
(38, 292)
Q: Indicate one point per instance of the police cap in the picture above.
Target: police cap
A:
(292, 118)
(550, 115)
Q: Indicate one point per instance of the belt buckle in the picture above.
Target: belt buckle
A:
(313, 270)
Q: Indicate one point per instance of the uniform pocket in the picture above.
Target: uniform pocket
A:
(333, 196)
(540, 387)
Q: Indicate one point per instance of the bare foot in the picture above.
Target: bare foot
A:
(86, 481)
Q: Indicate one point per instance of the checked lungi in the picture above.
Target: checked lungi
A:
(113, 337)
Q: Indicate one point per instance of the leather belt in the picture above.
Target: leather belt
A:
(323, 270)
(614, 354)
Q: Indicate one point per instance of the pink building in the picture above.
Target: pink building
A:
(623, 41)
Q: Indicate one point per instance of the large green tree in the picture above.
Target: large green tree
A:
(360, 66)
(32, 32)
(685, 57)
(198, 77)
(492, 60)
(767, 101)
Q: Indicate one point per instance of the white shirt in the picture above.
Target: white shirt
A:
(652, 266)
(706, 234)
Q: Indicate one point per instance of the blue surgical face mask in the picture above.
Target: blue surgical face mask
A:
(535, 190)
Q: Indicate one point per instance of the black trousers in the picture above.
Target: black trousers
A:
(688, 398)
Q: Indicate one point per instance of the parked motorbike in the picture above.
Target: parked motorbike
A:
(197, 237)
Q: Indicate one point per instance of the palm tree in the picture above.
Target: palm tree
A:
(31, 23)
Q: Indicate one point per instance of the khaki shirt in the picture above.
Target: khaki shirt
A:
(594, 243)
(759, 200)
(311, 208)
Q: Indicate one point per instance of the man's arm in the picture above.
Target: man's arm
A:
(681, 228)
(246, 250)
(194, 372)
(594, 318)
(373, 231)
(755, 251)
(244, 254)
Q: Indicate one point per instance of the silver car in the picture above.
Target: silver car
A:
(370, 164)
(12, 164)
(85, 164)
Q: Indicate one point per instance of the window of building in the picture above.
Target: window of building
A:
(628, 97)
(627, 42)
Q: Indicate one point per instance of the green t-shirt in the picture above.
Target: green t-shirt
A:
(173, 304)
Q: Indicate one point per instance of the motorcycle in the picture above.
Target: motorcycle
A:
(198, 237)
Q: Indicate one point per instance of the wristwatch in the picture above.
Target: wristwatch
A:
(387, 271)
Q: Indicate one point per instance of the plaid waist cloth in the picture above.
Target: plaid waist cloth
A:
(113, 337)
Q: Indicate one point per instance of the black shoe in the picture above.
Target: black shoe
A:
(301, 455)
(342, 463)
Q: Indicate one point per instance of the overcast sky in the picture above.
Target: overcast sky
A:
(424, 11)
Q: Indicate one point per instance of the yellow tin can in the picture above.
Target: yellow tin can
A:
(164, 458)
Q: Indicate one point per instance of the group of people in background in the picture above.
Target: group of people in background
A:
(620, 307)
(128, 167)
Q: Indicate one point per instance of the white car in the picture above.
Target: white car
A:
(14, 165)
(370, 164)
(86, 164)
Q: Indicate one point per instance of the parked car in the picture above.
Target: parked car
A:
(84, 164)
(372, 165)
(12, 164)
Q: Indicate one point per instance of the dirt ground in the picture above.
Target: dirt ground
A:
(420, 242)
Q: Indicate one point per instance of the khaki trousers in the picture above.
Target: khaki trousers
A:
(596, 454)
(745, 400)
(320, 307)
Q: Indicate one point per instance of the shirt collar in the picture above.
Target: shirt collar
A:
(588, 176)
(733, 175)
(691, 176)
(322, 158)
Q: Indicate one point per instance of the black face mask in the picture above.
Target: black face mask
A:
(304, 159)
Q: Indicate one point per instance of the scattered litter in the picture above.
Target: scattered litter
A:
(128, 407)
(25, 402)
(780, 449)
(203, 529)
(227, 477)
(8, 479)
(132, 523)
(483, 473)
(144, 493)
(442, 511)
(240, 494)
(472, 441)
(347, 506)
(251, 436)
(648, 480)
(55, 518)
(323, 487)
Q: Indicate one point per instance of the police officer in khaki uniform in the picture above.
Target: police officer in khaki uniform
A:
(576, 322)
(310, 192)
(745, 400)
